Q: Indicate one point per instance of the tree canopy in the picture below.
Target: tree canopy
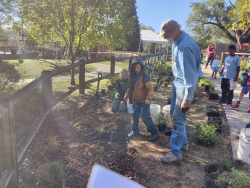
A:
(79, 24)
(220, 16)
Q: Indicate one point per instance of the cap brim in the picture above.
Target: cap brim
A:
(160, 34)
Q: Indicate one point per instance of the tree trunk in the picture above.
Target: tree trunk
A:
(72, 82)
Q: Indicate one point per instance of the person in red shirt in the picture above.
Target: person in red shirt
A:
(211, 51)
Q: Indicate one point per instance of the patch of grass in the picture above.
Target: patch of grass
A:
(100, 150)
(31, 69)
(52, 172)
(121, 64)
(234, 179)
(101, 130)
(53, 143)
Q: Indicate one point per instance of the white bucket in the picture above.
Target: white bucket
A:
(243, 152)
(166, 112)
(129, 107)
(155, 109)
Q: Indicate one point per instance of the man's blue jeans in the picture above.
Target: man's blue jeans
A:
(141, 109)
(179, 136)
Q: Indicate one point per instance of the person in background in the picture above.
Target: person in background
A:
(215, 66)
(245, 89)
(186, 69)
(140, 94)
(122, 85)
(211, 51)
(201, 55)
(230, 73)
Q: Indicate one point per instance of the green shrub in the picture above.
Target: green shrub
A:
(205, 82)
(206, 133)
(52, 172)
(234, 179)
(160, 120)
(243, 66)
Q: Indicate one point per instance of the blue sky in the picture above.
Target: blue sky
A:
(154, 13)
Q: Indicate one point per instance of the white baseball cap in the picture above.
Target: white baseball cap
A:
(167, 25)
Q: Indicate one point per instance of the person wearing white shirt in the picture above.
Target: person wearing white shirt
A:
(215, 66)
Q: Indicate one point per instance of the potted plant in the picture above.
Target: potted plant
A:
(205, 134)
(168, 131)
(212, 94)
(161, 122)
(212, 111)
(112, 81)
(169, 99)
(216, 122)
(155, 87)
(165, 84)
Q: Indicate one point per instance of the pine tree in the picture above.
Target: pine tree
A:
(134, 39)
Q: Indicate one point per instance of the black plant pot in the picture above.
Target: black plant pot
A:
(110, 87)
(212, 96)
(206, 88)
(169, 100)
(155, 88)
(96, 96)
(211, 168)
(200, 142)
(103, 91)
(161, 82)
(158, 80)
(214, 120)
(168, 131)
(161, 127)
(212, 111)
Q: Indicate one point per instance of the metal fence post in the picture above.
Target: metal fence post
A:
(130, 62)
(10, 144)
(82, 77)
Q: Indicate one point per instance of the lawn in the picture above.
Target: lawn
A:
(31, 69)
(121, 64)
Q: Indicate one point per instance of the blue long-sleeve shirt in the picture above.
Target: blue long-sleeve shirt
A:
(186, 62)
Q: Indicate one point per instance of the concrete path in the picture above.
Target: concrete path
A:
(237, 119)
(103, 68)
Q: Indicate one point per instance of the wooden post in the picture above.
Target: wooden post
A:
(160, 52)
(130, 62)
(82, 77)
(222, 58)
(10, 144)
(112, 67)
(47, 93)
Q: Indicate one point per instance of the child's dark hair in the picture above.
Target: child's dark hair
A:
(232, 47)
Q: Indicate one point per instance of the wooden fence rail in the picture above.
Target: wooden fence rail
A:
(11, 154)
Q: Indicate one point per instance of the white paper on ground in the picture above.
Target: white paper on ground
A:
(233, 84)
(104, 178)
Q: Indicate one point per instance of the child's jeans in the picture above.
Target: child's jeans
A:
(141, 109)
(227, 94)
(245, 90)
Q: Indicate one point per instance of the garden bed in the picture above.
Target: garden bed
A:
(88, 133)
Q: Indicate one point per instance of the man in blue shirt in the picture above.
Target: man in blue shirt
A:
(230, 74)
(186, 69)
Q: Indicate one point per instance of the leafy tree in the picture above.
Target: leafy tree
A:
(79, 24)
(242, 12)
(8, 77)
(134, 38)
(219, 14)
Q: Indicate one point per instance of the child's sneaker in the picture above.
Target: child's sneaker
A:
(212, 76)
(227, 104)
(221, 102)
(248, 109)
(235, 106)
(215, 77)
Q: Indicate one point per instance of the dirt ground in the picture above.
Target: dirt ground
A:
(89, 133)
